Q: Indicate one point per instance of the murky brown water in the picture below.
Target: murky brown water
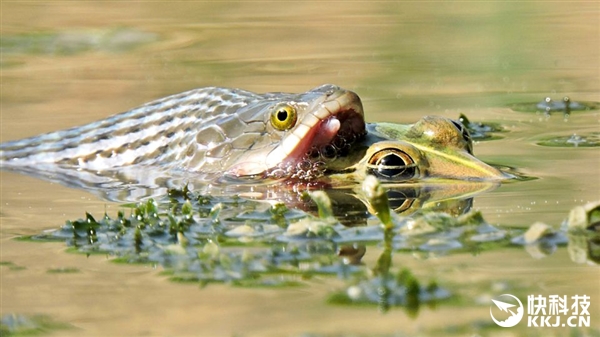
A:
(69, 64)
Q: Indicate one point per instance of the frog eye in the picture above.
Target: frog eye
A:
(392, 164)
(284, 117)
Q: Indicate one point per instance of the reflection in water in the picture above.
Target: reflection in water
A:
(584, 235)
(579, 231)
(584, 248)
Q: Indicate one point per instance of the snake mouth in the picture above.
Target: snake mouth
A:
(337, 124)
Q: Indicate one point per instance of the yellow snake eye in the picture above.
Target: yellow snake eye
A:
(284, 117)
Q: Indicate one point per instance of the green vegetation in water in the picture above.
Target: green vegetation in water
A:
(23, 325)
(208, 239)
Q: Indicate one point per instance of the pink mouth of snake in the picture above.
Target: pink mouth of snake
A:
(333, 137)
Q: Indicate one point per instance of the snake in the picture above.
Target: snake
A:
(214, 132)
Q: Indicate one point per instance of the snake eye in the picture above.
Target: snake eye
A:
(284, 117)
(392, 164)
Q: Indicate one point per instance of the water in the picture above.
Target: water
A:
(68, 64)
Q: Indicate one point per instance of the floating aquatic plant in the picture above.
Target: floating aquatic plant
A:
(481, 131)
(199, 238)
(548, 105)
(591, 139)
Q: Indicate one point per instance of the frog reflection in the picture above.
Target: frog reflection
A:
(351, 209)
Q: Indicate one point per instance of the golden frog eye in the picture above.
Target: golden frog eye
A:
(392, 164)
(284, 117)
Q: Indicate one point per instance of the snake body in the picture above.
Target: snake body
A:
(211, 131)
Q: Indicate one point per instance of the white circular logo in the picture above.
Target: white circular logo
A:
(514, 319)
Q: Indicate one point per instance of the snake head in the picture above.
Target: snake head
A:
(301, 134)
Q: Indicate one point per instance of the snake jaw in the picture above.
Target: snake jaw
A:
(328, 138)
(325, 131)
